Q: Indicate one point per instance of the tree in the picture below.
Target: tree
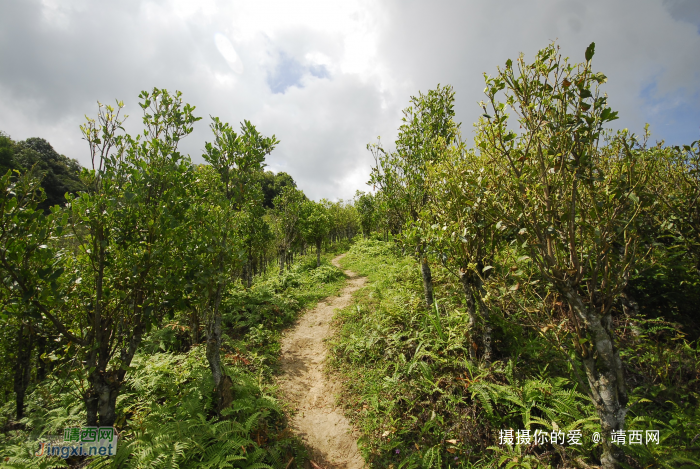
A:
(31, 268)
(367, 210)
(124, 224)
(427, 129)
(677, 187)
(257, 232)
(228, 235)
(571, 204)
(59, 175)
(286, 218)
(315, 226)
(7, 154)
(272, 185)
(462, 231)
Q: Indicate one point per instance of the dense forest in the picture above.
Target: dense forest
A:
(531, 296)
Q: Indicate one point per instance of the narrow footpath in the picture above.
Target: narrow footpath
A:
(317, 420)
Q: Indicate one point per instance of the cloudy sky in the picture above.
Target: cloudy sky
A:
(328, 77)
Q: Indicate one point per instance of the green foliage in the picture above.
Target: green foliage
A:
(343, 220)
(420, 401)
(153, 248)
(166, 403)
(58, 174)
(315, 225)
(565, 260)
(427, 128)
(287, 216)
(272, 185)
(367, 209)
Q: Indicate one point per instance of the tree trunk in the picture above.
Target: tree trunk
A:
(194, 325)
(107, 391)
(601, 361)
(101, 398)
(427, 281)
(91, 405)
(283, 259)
(486, 315)
(22, 367)
(318, 252)
(249, 272)
(471, 309)
(41, 364)
(222, 383)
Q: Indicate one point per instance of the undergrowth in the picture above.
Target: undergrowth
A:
(165, 414)
(420, 401)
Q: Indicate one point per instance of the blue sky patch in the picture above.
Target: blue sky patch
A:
(319, 71)
(289, 72)
(675, 116)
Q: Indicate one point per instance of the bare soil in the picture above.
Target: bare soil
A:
(311, 393)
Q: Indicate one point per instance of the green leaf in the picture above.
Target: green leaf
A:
(590, 50)
(56, 274)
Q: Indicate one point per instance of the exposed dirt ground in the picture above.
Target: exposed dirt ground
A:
(322, 425)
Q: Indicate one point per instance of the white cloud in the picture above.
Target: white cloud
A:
(327, 77)
(228, 53)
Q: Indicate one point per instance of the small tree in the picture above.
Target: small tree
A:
(367, 210)
(570, 204)
(228, 235)
(462, 231)
(125, 222)
(31, 269)
(315, 226)
(286, 218)
(427, 129)
(677, 187)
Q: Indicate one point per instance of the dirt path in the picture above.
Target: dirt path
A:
(321, 425)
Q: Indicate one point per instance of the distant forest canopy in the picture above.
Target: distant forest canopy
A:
(60, 175)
